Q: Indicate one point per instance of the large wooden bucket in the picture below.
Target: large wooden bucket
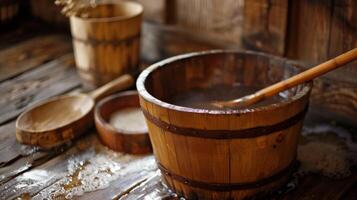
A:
(107, 43)
(217, 154)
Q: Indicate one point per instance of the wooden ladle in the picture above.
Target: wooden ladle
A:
(63, 118)
(290, 82)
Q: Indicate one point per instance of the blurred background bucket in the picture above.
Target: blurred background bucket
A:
(106, 42)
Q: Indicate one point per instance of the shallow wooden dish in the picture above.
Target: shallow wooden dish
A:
(120, 140)
(222, 154)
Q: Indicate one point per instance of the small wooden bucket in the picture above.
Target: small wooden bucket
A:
(107, 43)
(218, 154)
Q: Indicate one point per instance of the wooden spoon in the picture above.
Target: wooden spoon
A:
(290, 82)
(56, 121)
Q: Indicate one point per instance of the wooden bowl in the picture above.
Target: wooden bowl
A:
(222, 154)
(120, 139)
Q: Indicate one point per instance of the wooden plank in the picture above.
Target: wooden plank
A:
(154, 10)
(25, 163)
(132, 175)
(6, 135)
(309, 187)
(219, 19)
(265, 25)
(41, 83)
(32, 53)
(131, 185)
(321, 29)
(322, 188)
(55, 178)
(10, 149)
(31, 182)
(16, 158)
(152, 188)
(343, 37)
(159, 42)
(118, 188)
(309, 27)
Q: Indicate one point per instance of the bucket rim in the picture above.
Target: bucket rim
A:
(143, 93)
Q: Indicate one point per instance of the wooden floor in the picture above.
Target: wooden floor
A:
(36, 65)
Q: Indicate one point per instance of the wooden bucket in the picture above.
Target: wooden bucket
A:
(217, 154)
(107, 43)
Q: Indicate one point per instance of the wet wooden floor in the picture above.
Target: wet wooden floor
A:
(36, 65)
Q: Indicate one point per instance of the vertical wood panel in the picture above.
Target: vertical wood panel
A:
(264, 26)
(154, 10)
(322, 29)
(216, 18)
(343, 36)
(309, 28)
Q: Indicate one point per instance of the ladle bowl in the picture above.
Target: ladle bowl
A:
(60, 119)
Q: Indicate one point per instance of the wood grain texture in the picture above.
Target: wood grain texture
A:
(32, 53)
(318, 187)
(153, 188)
(219, 19)
(335, 31)
(343, 36)
(56, 121)
(54, 170)
(43, 82)
(310, 187)
(265, 25)
(174, 40)
(107, 43)
(300, 78)
(11, 150)
(159, 42)
(134, 173)
(154, 10)
(232, 161)
(25, 162)
(127, 141)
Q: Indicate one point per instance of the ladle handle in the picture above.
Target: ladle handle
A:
(292, 81)
(120, 83)
(309, 74)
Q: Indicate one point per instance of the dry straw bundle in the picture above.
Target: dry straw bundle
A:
(77, 8)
